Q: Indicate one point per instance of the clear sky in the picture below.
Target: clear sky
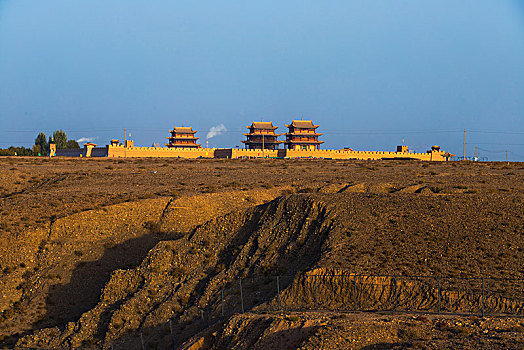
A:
(369, 72)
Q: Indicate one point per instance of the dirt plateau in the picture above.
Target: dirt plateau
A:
(131, 253)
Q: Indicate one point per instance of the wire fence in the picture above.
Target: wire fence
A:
(428, 294)
(484, 296)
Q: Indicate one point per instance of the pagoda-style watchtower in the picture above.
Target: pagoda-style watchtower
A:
(261, 136)
(302, 135)
(182, 137)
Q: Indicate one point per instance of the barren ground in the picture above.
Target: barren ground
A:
(95, 251)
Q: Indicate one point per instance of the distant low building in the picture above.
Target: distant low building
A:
(182, 137)
(302, 135)
(261, 136)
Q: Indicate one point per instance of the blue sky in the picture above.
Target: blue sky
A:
(369, 72)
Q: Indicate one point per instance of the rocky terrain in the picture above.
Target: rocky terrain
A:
(122, 253)
(325, 330)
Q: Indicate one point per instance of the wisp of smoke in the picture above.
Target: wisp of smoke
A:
(215, 131)
(86, 139)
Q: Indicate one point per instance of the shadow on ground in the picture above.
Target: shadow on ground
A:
(69, 301)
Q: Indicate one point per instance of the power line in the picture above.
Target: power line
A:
(338, 131)
(516, 154)
(495, 132)
(500, 151)
(495, 143)
(38, 131)
(490, 151)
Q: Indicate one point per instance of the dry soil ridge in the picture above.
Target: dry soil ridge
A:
(74, 256)
(471, 223)
(180, 279)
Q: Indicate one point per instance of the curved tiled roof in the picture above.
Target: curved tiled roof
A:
(262, 125)
(183, 130)
(306, 124)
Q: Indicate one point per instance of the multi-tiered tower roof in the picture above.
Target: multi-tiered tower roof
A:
(182, 137)
(302, 135)
(261, 136)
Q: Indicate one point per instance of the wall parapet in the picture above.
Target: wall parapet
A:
(160, 152)
(118, 151)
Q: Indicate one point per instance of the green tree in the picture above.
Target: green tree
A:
(22, 151)
(16, 151)
(37, 150)
(72, 144)
(60, 139)
(41, 142)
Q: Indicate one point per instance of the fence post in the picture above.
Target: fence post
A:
(241, 295)
(483, 296)
(438, 295)
(355, 291)
(334, 289)
(278, 291)
(171, 332)
(342, 293)
(316, 293)
(222, 302)
(396, 293)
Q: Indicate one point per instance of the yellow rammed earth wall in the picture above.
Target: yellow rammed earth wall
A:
(252, 153)
(364, 155)
(159, 152)
(328, 154)
(233, 153)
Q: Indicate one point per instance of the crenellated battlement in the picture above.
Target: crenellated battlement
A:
(301, 142)
(119, 151)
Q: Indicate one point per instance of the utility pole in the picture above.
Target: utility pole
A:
(263, 144)
(464, 144)
(125, 143)
(507, 156)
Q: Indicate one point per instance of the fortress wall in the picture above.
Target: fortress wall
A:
(77, 152)
(82, 152)
(233, 153)
(223, 153)
(364, 155)
(326, 153)
(99, 151)
(159, 152)
(323, 153)
(253, 153)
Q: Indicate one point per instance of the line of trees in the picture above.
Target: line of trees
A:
(16, 151)
(41, 146)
